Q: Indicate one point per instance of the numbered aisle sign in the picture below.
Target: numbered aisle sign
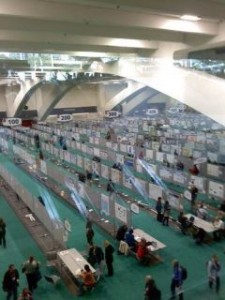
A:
(112, 114)
(11, 122)
(65, 118)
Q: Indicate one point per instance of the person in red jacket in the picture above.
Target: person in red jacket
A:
(142, 254)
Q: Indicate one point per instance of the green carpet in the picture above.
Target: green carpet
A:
(128, 281)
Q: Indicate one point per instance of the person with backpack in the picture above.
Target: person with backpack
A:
(178, 275)
(151, 290)
(213, 268)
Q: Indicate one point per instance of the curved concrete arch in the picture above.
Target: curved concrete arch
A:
(27, 97)
(20, 101)
(61, 88)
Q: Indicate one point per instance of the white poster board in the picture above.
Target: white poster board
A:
(155, 191)
(216, 189)
(121, 213)
(105, 205)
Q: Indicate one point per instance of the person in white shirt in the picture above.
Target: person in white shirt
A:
(202, 212)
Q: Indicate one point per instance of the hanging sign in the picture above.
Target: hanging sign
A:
(64, 118)
(11, 122)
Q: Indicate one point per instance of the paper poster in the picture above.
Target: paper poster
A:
(213, 170)
(67, 156)
(121, 213)
(127, 182)
(97, 152)
(43, 167)
(165, 174)
(87, 164)
(199, 183)
(155, 191)
(174, 200)
(115, 146)
(149, 154)
(170, 158)
(73, 159)
(105, 205)
(105, 171)
(95, 168)
(179, 177)
(216, 189)
(123, 148)
(103, 154)
(120, 158)
(80, 189)
(160, 156)
(80, 161)
(130, 149)
(83, 148)
(115, 175)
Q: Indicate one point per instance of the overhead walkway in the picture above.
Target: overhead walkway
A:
(203, 92)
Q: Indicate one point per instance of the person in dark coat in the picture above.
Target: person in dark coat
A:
(11, 282)
(121, 233)
(109, 257)
(90, 235)
(2, 233)
(158, 208)
(151, 291)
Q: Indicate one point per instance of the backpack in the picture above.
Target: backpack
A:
(184, 273)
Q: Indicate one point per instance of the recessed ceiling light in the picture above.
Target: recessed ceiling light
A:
(190, 18)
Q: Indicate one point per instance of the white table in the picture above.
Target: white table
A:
(157, 245)
(200, 223)
(73, 261)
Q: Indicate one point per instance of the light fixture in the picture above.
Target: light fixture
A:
(190, 18)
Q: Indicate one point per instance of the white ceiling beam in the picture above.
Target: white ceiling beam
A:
(27, 24)
(101, 16)
(212, 9)
(46, 37)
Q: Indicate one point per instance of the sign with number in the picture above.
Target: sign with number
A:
(65, 118)
(11, 122)
(112, 114)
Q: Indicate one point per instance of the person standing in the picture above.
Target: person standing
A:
(151, 291)
(158, 208)
(90, 235)
(213, 268)
(11, 282)
(194, 194)
(31, 269)
(166, 213)
(2, 233)
(177, 281)
(109, 257)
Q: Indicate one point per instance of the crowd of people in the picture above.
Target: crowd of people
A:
(11, 280)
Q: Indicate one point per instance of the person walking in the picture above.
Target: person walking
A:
(109, 257)
(177, 281)
(31, 269)
(2, 233)
(11, 282)
(213, 268)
